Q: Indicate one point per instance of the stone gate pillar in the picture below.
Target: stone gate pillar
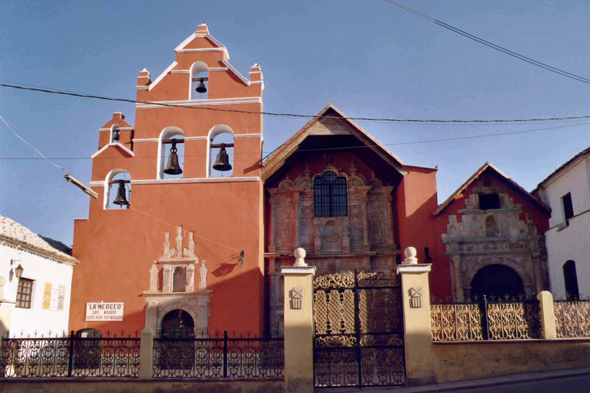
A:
(416, 305)
(298, 325)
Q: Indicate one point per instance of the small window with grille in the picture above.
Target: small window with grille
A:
(330, 196)
(24, 293)
(489, 201)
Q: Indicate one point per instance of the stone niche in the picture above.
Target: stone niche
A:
(494, 236)
(367, 227)
(172, 285)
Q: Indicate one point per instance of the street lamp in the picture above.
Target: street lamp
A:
(19, 271)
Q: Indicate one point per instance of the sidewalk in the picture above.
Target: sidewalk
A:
(469, 384)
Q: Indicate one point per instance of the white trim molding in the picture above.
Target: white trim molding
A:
(247, 135)
(100, 183)
(232, 69)
(120, 129)
(200, 50)
(180, 48)
(417, 268)
(146, 140)
(199, 180)
(142, 87)
(120, 146)
(190, 103)
(162, 75)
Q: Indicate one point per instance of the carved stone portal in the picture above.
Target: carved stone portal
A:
(172, 285)
(494, 237)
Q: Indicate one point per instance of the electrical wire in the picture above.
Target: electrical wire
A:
(137, 210)
(334, 148)
(391, 120)
(31, 146)
(492, 45)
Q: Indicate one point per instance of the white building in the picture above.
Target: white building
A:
(40, 298)
(567, 192)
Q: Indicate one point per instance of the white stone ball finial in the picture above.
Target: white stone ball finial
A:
(300, 257)
(410, 254)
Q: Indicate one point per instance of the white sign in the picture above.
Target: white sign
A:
(104, 311)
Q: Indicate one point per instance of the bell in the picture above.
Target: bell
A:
(173, 167)
(222, 161)
(121, 200)
(201, 88)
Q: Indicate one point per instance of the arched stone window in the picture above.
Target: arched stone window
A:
(170, 133)
(570, 276)
(199, 77)
(115, 133)
(330, 196)
(220, 134)
(117, 189)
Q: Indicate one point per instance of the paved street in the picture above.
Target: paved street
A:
(572, 384)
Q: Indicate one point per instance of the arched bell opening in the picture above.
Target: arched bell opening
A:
(220, 157)
(199, 84)
(497, 281)
(115, 133)
(117, 190)
(177, 324)
(171, 154)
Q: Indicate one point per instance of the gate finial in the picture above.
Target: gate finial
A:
(300, 257)
(410, 254)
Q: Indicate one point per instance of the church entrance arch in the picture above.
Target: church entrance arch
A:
(496, 281)
(177, 324)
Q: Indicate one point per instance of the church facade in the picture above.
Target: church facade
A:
(192, 225)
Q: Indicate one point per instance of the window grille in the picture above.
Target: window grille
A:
(24, 292)
(330, 196)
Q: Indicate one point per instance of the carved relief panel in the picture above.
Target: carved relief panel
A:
(367, 226)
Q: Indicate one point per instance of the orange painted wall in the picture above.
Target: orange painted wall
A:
(116, 247)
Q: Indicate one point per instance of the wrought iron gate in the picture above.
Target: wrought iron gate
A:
(359, 338)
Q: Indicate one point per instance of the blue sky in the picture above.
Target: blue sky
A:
(368, 58)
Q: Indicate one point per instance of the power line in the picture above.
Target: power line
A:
(31, 146)
(391, 120)
(335, 148)
(492, 45)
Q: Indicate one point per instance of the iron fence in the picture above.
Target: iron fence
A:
(218, 357)
(70, 356)
(487, 319)
(572, 318)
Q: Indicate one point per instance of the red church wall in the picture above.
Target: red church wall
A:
(116, 247)
(441, 263)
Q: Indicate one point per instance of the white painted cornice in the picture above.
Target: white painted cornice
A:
(120, 146)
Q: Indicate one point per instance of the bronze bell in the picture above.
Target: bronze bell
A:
(201, 88)
(173, 168)
(222, 161)
(121, 199)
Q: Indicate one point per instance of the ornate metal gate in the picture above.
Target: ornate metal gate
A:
(359, 338)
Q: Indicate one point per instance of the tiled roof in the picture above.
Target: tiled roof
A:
(555, 172)
(21, 235)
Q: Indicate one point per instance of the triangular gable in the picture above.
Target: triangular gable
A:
(474, 177)
(202, 32)
(275, 160)
(120, 146)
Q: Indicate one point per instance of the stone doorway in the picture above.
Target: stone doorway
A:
(497, 281)
(177, 324)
